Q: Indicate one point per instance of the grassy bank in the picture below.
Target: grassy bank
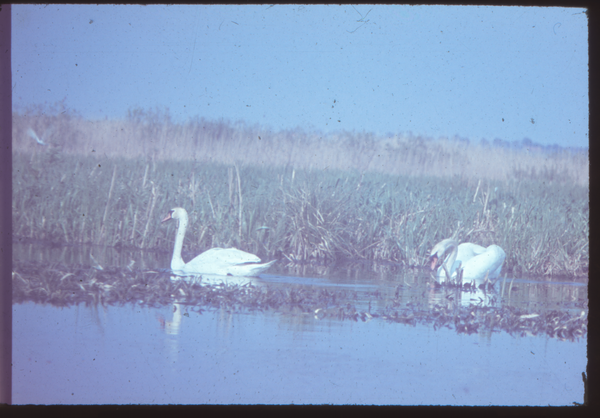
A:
(298, 214)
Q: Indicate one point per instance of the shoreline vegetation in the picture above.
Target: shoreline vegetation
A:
(294, 195)
(64, 286)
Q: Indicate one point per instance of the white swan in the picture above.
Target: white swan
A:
(220, 261)
(476, 262)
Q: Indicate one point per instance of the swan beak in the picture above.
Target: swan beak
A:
(434, 260)
(167, 217)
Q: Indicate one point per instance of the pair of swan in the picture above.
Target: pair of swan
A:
(473, 261)
(219, 261)
(476, 263)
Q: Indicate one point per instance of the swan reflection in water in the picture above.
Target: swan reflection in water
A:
(217, 280)
(453, 297)
(180, 309)
(472, 262)
(171, 327)
(216, 261)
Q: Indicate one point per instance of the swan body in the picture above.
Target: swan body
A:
(476, 262)
(219, 261)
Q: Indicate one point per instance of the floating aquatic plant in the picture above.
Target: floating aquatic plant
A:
(59, 285)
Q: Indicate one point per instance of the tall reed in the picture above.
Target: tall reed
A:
(152, 134)
(302, 215)
(293, 195)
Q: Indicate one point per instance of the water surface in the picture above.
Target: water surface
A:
(180, 353)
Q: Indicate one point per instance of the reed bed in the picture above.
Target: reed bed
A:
(152, 134)
(61, 286)
(294, 196)
(297, 215)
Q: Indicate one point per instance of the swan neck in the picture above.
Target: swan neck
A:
(177, 262)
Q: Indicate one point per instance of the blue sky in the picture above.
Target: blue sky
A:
(476, 72)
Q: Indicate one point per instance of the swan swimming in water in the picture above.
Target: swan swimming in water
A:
(476, 262)
(220, 261)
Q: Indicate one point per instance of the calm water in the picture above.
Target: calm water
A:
(134, 354)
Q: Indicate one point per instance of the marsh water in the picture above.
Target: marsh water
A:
(185, 354)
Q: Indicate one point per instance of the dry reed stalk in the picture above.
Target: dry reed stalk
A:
(212, 208)
(64, 229)
(476, 191)
(193, 190)
(145, 176)
(117, 238)
(132, 238)
(230, 183)
(362, 176)
(152, 204)
(240, 200)
(485, 202)
(110, 191)
(82, 233)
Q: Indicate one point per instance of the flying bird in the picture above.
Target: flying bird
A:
(32, 134)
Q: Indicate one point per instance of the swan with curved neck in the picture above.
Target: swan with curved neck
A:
(476, 262)
(220, 261)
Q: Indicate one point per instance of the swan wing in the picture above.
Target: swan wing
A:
(223, 269)
(489, 263)
(222, 261)
(226, 256)
(468, 250)
(249, 270)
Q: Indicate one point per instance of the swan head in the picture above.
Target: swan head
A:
(176, 213)
(439, 250)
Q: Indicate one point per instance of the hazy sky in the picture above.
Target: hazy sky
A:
(477, 72)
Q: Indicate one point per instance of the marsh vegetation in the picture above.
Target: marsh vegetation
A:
(63, 286)
(295, 196)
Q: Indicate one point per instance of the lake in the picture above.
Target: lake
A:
(385, 340)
